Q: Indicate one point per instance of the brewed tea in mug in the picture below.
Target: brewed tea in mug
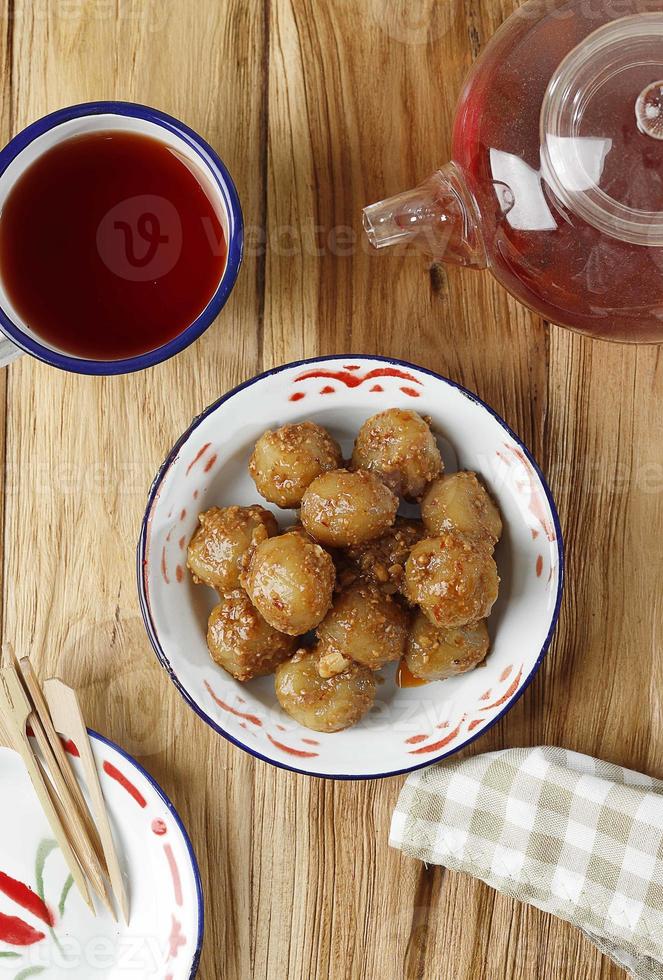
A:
(120, 237)
(110, 245)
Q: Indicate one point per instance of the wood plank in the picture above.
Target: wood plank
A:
(349, 140)
(319, 109)
(82, 452)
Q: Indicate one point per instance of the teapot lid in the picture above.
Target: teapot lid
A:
(602, 130)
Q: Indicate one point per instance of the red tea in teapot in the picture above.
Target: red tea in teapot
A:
(110, 245)
(556, 181)
(551, 257)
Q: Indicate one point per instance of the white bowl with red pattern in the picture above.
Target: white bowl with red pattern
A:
(408, 727)
(46, 927)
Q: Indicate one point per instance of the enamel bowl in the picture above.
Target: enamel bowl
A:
(46, 927)
(409, 727)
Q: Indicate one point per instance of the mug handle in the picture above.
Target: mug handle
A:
(8, 351)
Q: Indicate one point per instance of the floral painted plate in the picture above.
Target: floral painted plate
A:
(46, 929)
(407, 728)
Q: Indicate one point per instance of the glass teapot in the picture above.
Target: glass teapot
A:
(556, 179)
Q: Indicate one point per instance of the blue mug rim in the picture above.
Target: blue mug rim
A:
(213, 164)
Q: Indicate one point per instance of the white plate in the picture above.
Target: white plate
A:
(407, 728)
(164, 937)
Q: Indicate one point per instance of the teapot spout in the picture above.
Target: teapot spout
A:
(440, 217)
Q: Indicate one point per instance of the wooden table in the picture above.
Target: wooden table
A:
(319, 107)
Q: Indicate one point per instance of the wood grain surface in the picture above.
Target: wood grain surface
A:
(319, 107)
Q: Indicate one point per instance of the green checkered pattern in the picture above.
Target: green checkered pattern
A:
(580, 838)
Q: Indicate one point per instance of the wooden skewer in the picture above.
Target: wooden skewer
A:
(81, 847)
(68, 719)
(74, 811)
(62, 762)
(16, 712)
(63, 799)
(66, 809)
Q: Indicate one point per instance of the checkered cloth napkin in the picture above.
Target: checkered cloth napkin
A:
(580, 838)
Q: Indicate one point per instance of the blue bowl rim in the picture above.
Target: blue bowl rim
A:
(213, 164)
(185, 836)
(171, 458)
